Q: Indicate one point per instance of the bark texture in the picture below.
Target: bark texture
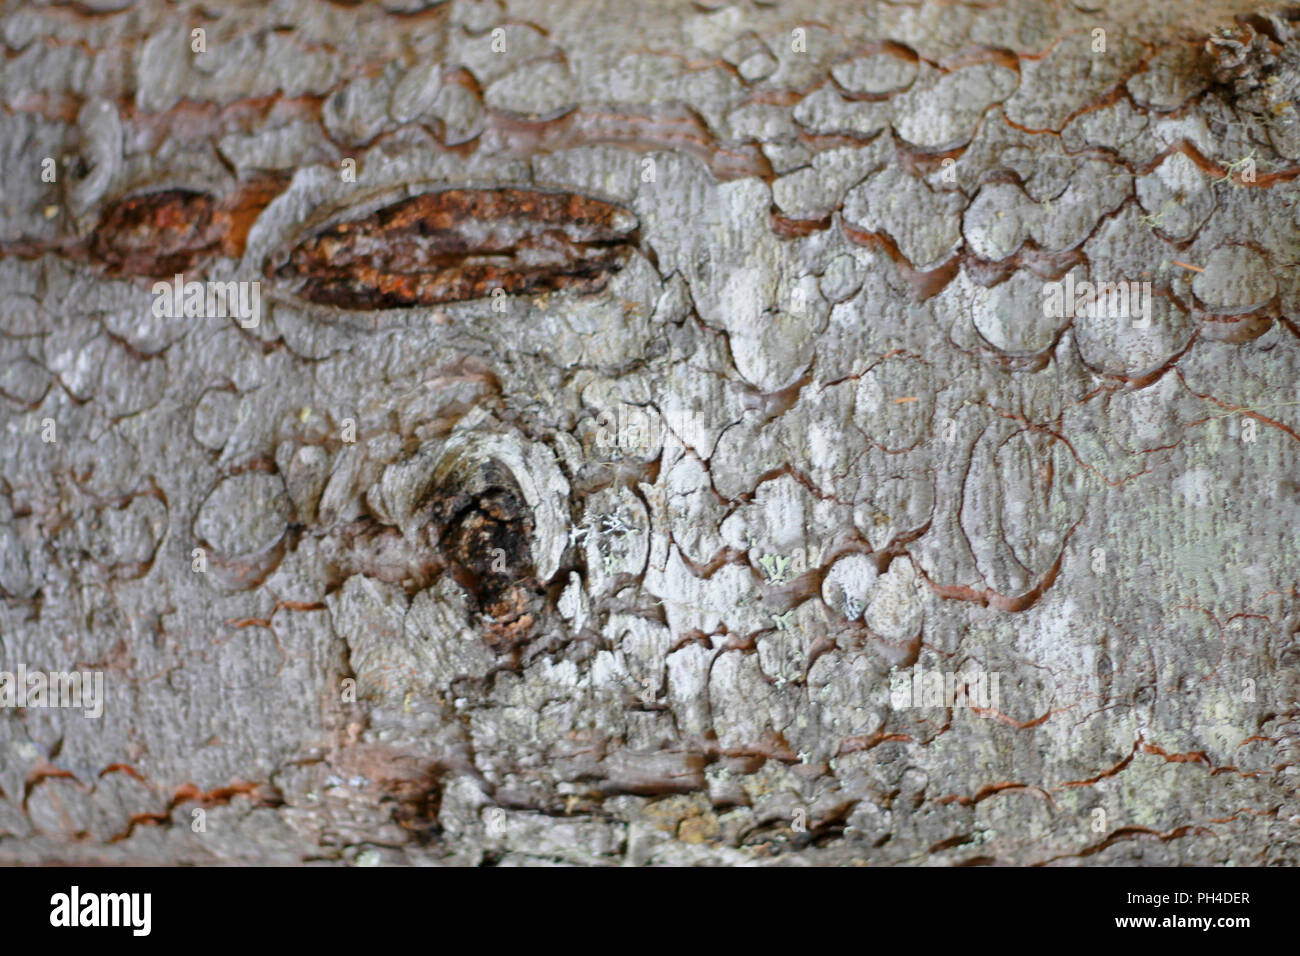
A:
(669, 381)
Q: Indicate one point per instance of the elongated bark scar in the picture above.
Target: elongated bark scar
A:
(157, 234)
(460, 244)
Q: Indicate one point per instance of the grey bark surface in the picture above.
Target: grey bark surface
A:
(623, 572)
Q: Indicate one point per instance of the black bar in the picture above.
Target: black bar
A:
(332, 906)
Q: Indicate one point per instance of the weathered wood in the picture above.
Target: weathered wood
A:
(634, 397)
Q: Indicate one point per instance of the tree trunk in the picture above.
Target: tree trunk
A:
(651, 433)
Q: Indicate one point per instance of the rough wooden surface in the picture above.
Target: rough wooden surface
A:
(623, 558)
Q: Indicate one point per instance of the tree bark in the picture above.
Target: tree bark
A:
(670, 433)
